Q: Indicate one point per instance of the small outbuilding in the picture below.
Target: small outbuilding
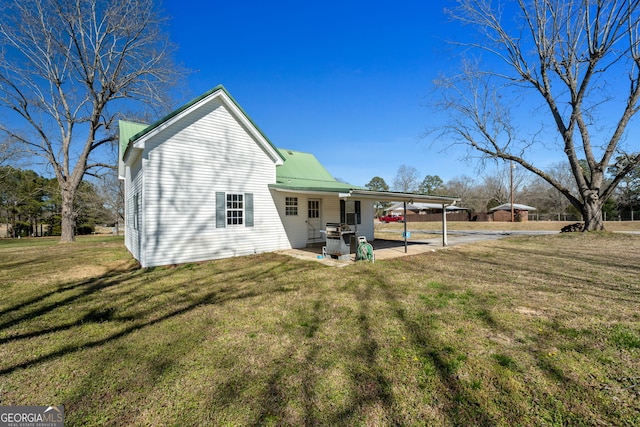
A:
(502, 213)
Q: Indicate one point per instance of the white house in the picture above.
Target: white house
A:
(205, 183)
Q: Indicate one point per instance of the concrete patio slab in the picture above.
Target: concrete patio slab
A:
(383, 249)
(388, 249)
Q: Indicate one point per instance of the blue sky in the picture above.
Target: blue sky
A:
(347, 81)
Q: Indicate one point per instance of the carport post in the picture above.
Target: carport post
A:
(404, 216)
(444, 225)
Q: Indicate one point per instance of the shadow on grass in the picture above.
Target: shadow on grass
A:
(103, 309)
(461, 404)
(578, 282)
(369, 384)
(273, 401)
(287, 384)
(34, 310)
(370, 391)
(564, 265)
(97, 315)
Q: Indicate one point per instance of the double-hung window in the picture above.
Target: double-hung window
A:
(235, 209)
(350, 212)
(291, 206)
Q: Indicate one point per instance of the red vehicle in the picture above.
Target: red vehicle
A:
(391, 218)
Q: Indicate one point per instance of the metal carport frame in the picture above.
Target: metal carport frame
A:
(391, 196)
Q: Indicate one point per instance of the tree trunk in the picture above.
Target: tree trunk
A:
(13, 225)
(592, 214)
(68, 225)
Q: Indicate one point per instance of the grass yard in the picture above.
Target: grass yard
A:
(526, 331)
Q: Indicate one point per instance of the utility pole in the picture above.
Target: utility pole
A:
(511, 166)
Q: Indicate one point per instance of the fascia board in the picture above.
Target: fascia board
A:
(131, 156)
(304, 191)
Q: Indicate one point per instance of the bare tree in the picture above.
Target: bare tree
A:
(112, 192)
(406, 179)
(8, 151)
(67, 67)
(628, 192)
(562, 55)
(497, 186)
(547, 199)
(464, 188)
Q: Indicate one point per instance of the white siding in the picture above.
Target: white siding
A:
(295, 226)
(366, 228)
(206, 152)
(133, 186)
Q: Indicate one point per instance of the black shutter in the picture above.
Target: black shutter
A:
(343, 215)
(358, 216)
(221, 210)
(248, 209)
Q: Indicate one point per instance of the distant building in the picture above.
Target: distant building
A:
(420, 208)
(502, 213)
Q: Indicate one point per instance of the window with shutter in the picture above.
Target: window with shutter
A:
(248, 209)
(234, 209)
(221, 210)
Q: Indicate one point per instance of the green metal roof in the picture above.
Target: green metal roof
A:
(127, 131)
(125, 144)
(302, 171)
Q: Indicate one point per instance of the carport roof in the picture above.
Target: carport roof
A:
(392, 196)
(420, 205)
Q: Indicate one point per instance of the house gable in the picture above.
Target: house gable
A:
(201, 176)
(219, 93)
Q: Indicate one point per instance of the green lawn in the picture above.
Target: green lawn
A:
(527, 331)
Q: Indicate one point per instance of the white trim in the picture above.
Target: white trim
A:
(311, 192)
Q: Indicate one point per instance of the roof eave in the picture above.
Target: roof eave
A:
(284, 187)
(308, 190)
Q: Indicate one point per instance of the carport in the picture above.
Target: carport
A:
(391, 196)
